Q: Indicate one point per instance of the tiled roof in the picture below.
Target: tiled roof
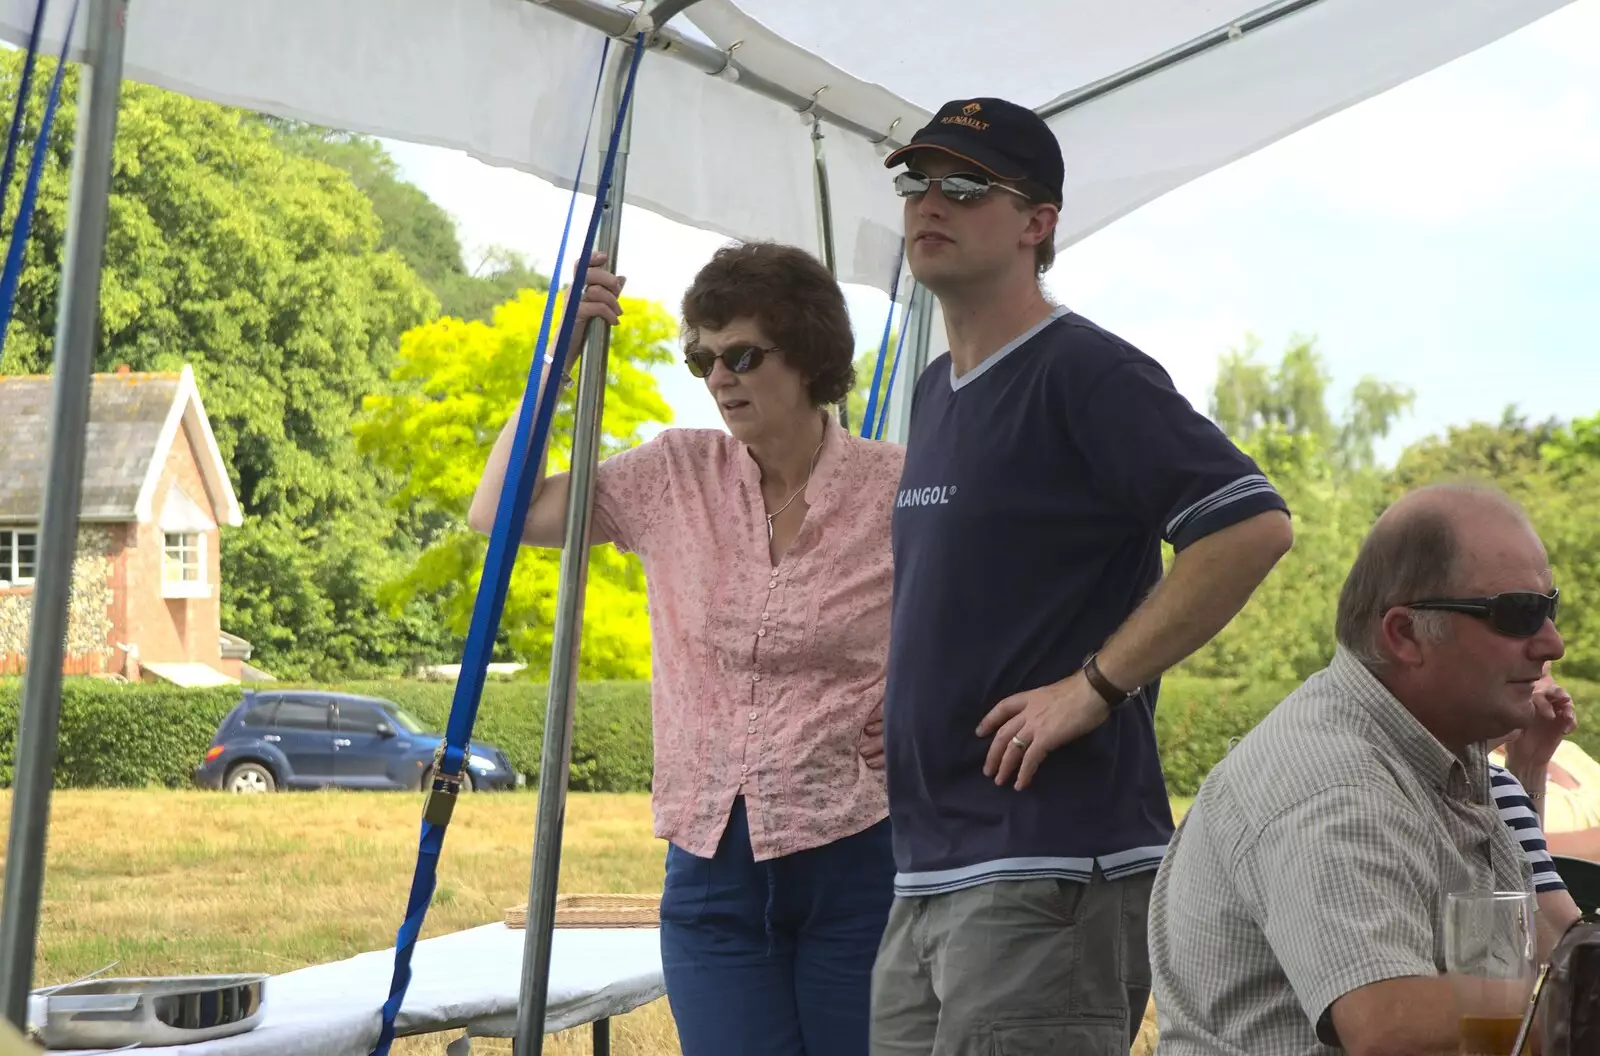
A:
(126, 416)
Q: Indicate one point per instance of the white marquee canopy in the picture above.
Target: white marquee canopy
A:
(1145, 95)
(1151, 93)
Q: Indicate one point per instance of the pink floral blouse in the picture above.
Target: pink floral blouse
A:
(763, 676)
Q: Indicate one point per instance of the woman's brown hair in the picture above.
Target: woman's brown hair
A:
(793, 298)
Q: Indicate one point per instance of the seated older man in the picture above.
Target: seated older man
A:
(1300, 908)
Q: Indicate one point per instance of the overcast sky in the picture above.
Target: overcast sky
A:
(1445, 236)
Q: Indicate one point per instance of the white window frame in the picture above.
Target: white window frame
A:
(10, 573)
(197, 587)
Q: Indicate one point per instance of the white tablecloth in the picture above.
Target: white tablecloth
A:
(469, 979)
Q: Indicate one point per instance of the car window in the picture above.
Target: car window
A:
(356, 717)
(408, 721)
(302, 715)
(259, 713)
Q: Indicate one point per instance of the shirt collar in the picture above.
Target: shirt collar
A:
(1456, 777)
(831, 462)
(956, 384)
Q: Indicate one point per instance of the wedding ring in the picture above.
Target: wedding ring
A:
(1020, 743)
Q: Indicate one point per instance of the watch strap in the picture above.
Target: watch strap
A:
(1113, 696)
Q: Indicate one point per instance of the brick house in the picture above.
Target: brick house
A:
(156, 495)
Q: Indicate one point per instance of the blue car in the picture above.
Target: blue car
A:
(307, 739)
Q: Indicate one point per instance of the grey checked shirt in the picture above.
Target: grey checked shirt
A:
(1315, 861)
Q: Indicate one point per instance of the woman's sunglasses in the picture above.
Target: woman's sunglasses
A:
(1518, 614)
(957, 187)
(741, 359)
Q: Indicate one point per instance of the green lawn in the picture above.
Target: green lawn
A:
(164, 881)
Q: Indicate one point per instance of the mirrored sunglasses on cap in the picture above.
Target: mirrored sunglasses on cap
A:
(1516, 614)
(740, 359)
(957, 187)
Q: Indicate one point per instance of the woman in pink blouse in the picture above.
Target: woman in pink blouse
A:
(768, 565)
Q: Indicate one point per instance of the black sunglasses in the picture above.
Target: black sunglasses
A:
(1518, 613)
(741, 359)
(957, 187)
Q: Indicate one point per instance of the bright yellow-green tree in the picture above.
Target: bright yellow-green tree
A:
(456, 385)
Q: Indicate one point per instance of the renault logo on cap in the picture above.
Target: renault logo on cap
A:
(970, 109)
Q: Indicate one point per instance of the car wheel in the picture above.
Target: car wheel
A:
(250, 778)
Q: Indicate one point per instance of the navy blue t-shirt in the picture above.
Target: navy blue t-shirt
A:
(1036, 493)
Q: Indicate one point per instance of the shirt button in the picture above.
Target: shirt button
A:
(751, 730)
(773, 585)
(762, 633)
(744, 769)
(755, 678)
(764, 617)
(752, 716)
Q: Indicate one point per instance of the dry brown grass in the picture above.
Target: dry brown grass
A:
(199, 882)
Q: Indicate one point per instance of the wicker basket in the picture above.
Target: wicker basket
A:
(597, 911)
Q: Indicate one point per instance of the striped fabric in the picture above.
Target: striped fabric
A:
(1516, 810)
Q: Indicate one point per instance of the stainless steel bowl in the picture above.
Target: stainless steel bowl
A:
(170, 1010)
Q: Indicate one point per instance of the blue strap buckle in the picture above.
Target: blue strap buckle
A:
(440, 803)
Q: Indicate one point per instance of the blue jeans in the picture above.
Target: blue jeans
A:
(775, 958)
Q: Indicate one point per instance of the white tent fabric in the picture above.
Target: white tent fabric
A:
(510, 81)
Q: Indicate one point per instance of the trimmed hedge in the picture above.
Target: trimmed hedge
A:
(115, 735)
(611, 746)
(1196, 717)
(122, 736)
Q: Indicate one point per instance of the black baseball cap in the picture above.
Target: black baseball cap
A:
(1007, 141)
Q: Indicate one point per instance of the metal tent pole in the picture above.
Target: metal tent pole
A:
(568, 632)
(919, 332)
(1260, 18)
(824, 199)
(923, 333)
(819, 172)
(615, 20)
(77, 327)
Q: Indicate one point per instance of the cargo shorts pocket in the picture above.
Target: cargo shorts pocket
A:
(1080, 1035)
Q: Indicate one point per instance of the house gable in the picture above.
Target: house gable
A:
(187, 418)
(134, 422)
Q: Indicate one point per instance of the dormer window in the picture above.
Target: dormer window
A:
(181, 561)
(184, 528)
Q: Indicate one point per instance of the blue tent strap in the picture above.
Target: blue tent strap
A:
(17, 252)
(529, 438)
(894, 371)
(20, 111)
(870, 418)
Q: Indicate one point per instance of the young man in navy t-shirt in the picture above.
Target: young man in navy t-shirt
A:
(1047, 461)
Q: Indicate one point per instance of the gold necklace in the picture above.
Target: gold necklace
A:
(788, 502)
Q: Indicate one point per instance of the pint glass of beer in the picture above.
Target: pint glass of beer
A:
(1490, 953)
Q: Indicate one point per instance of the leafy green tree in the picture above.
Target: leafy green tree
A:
(1555, 474)
(1250, 396)
(1573, 444)
(265, 270)
(456, 385)
(499, 275)
(865, 363)
(1505, 452)
(415, 226)
(1322, 464)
